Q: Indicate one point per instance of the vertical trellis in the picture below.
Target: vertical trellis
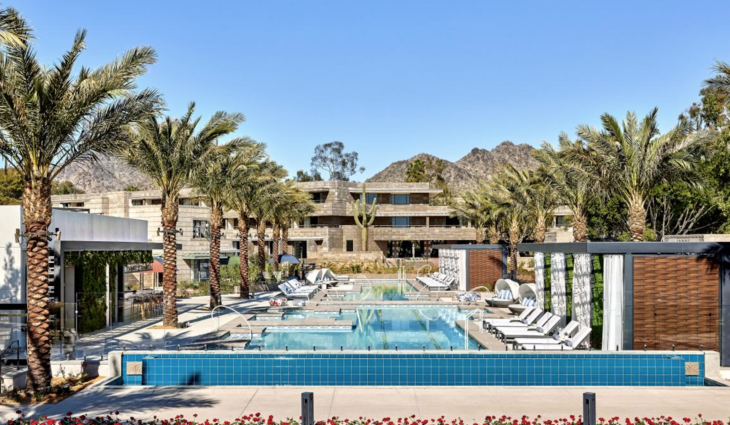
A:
(548, 280)
(597, 319)
(569, 272)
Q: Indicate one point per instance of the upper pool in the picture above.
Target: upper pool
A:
(374, 327)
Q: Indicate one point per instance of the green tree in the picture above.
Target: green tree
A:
(170, 152)
(303, 176)
(213, 182)
(332, 158)
(632, 158)
(132, 188)
(247, 184)
(51, 117)
(416, 172)
(473, 208)
(65, 188)
(11, 187)
(572, 185)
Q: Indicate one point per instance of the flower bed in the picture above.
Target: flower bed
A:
(257, 419)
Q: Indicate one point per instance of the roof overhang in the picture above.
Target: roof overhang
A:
(628, 247)
(71, 246)
(394, 190)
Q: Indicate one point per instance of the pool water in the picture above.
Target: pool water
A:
(382, 291)
(376, 327)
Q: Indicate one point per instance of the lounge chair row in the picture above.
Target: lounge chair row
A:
(536, 329)
(436, 281)
(294, 289)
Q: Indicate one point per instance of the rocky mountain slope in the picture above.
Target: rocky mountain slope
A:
(467, 172)
(108, 175)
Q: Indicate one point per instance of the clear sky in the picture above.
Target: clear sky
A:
(393, 78)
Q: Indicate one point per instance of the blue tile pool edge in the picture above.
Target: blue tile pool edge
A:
(225, 368)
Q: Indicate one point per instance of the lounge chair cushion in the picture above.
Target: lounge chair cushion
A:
(285, 288)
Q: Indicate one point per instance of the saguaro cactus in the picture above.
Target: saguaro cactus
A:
(364, 215)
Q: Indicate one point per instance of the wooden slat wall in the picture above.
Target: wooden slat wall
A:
(485, 267)
(676, 301)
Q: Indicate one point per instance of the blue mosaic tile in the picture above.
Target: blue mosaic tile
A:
(383, 369)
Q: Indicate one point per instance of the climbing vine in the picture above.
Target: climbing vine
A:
(91, 299)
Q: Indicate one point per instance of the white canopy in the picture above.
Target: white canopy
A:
(321, 276)
(527, 290)
(503, 284)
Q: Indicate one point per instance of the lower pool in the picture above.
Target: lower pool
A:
(403, 327)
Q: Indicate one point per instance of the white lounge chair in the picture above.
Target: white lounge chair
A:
(571, 343)
(529, 320)
(502, 320)
(530, 323)
(294, 289)
(527, 297)
(559, 337)
(508, 334)
(432, 283)
(506, 291)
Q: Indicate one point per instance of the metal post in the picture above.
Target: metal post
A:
(589, 408)
(307, 408)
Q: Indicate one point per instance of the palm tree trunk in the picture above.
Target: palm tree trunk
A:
(216, 220)
(580, 226)
(243, 253)
(479, 234)
(37, 218)
(169, 273)
(514, 235)
(284, 239)
(493, 234)
(275, 246)
(261, 241)
(540, 227)
(637, 217)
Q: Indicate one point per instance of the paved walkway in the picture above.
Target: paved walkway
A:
(468, 403)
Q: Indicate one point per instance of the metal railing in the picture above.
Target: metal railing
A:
(5, 352)
(218, 323)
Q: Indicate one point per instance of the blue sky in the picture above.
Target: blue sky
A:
(391, 79)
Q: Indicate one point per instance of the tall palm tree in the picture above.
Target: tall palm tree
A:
(294, 206)
(246, 184)
(631, 158)
(721, 81)
(214, 181)
(170, 151)
(509, 190)
(49, 118)
(472, 208)
(573, 186)
(270, 197)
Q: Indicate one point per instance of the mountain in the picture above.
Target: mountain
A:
(466, 173)
(109, 174)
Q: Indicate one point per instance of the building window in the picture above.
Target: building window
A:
(350, 245)
(370, 197)
(562, 221)
(401, 222)
(156, 202)
(190, 202)
(137, 202)
(200, 227)
(400, 199)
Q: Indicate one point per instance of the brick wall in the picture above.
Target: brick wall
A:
(676, 301)
(485, 267)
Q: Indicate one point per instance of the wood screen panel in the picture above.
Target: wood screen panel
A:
(676, 302)
(485, 267)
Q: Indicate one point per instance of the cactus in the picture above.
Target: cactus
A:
(364, 215)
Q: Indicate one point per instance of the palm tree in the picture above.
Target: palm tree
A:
(721, 81)
(631, 158)
(509, 191)
(472, 208)
(295, 206)
(214, 182)
(246, 184)
(14, 30)
(570, 182)
(49, 118)
(170, 152)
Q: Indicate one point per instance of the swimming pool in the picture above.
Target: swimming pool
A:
(373, 327)
(377, 291)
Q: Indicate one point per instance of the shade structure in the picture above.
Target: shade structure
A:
(158, 266)
(286, 258)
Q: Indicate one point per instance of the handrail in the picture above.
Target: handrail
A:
(466, 328)
(327, 290)
(218, 324)
(418, 272)
(6, 349)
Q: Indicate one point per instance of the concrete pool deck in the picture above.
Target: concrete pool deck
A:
(468, 403)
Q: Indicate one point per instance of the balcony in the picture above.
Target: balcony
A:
(421, 233)
(411, 210)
